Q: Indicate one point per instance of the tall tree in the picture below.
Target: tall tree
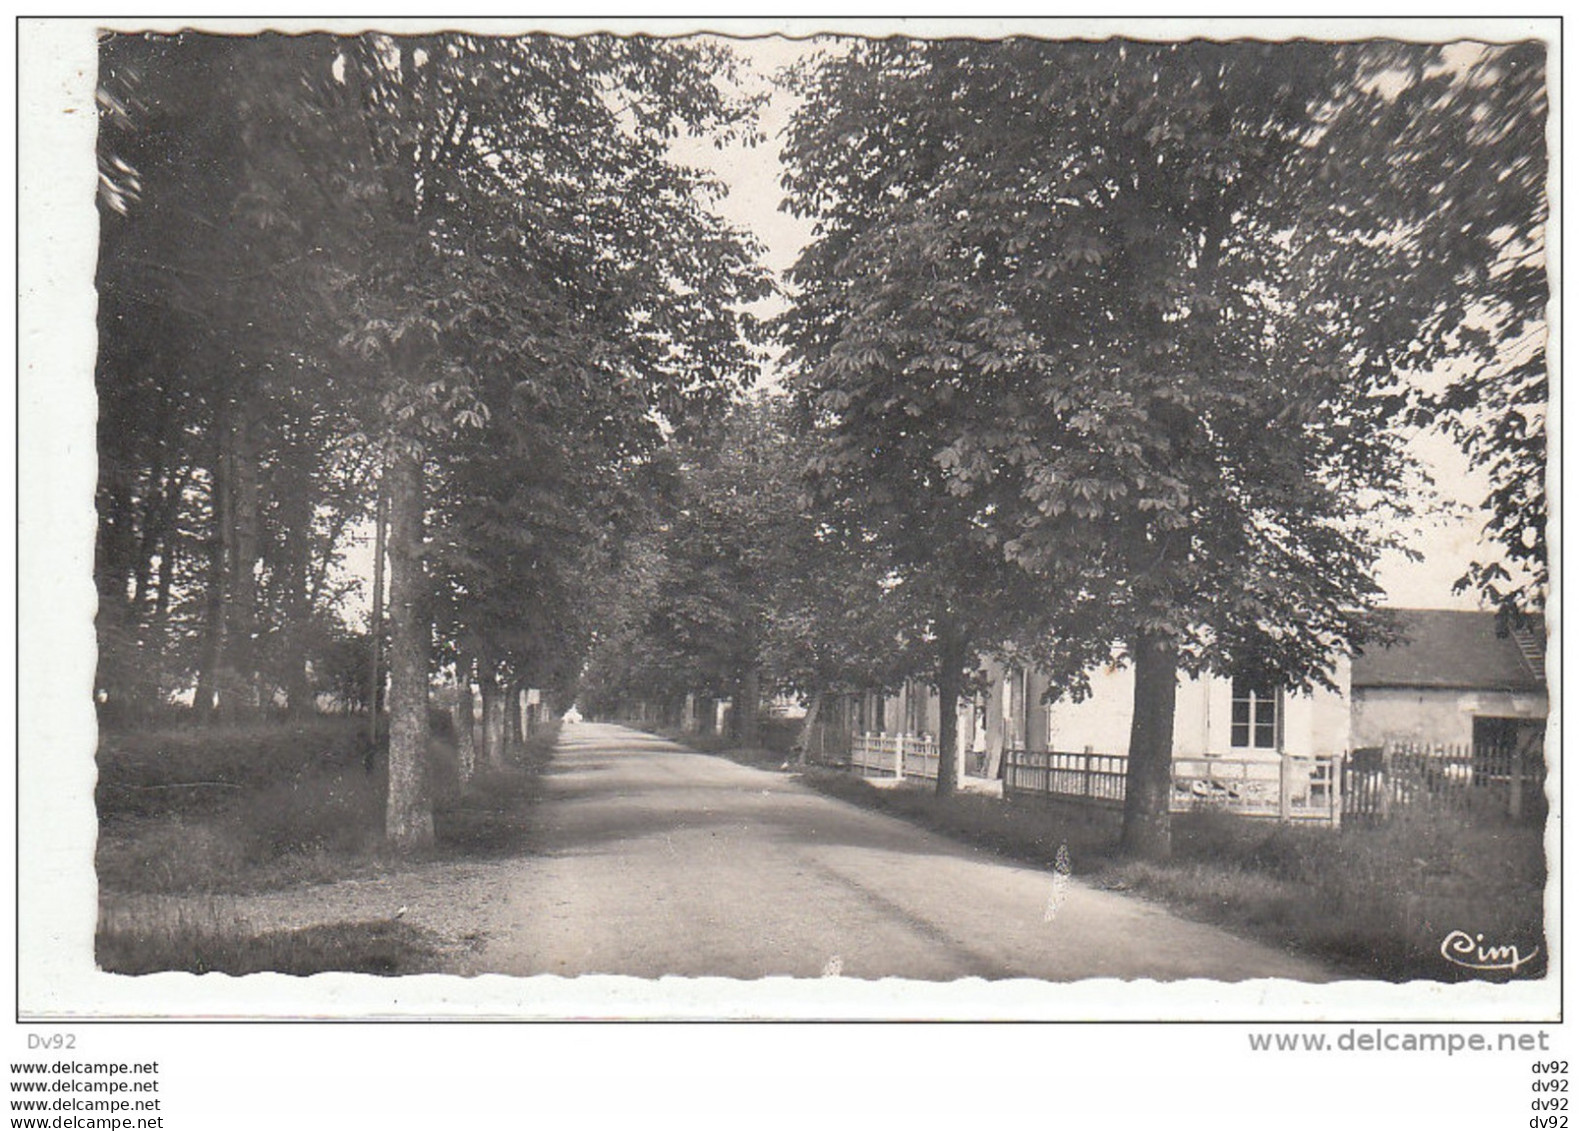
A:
(1182, 345)
(506, 246)
(416, 236)
(220, 492)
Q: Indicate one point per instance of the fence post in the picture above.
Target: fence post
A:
(1085, 763)
(1385, 805)
(1516, 785)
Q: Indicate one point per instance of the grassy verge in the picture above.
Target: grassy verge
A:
(240, 810)
(1376, 901)
(203, 944)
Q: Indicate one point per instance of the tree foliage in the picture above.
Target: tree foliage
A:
(467, 261)
(1141, 318)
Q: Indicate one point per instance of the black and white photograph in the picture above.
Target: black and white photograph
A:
(983, 520)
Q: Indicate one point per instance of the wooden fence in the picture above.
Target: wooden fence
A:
(1401, 777)
(1290, 788)
(895, 755)
(1368, 785)
(1098, 778)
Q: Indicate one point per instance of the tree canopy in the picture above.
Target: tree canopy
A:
(471, 258)
(1147, 314)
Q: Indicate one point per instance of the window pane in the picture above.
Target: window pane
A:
(1239, 734)
(1266, 722)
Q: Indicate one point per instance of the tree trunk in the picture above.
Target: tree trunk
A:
(807, 727)
(167, 546)
(461, 714)
(243, 589)
(408, 815)
(216, 602)
(513, 739)
(493, 722)
(746, 704)
(375, 618)
(488, 693)
(1147, 832)
(951, 680)
(151, 529)
(294, 502)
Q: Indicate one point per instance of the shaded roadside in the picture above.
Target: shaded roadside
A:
(1377, 902)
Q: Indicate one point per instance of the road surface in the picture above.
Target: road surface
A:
(657, 860)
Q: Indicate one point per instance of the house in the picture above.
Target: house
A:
(1213, 717)
(1452, 681)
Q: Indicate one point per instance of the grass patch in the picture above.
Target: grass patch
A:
(267, 807)
(1374, 901)
(493, 818)
(280, 807)
(202, 944)
(196, 769)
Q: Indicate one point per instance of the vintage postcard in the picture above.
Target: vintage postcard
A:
(954, 519)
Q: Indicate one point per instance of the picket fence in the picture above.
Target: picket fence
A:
(1401, 777)
(1369, 785)
(1290, 788)
(895, 755)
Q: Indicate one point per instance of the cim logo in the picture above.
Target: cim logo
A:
(1471, 952)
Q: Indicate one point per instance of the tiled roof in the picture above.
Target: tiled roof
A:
(1451, 648)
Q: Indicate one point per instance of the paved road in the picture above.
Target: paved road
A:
(662, 861)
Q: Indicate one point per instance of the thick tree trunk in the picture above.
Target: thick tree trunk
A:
(408, 815)
(951, 680)
(167, 557)
(497, 749)
(1147, 830)
(167, 548)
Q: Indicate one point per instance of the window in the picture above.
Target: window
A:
(1254, 722)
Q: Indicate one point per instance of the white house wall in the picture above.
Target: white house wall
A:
(1100, 722)
(1317, 723)
(1433, 715)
